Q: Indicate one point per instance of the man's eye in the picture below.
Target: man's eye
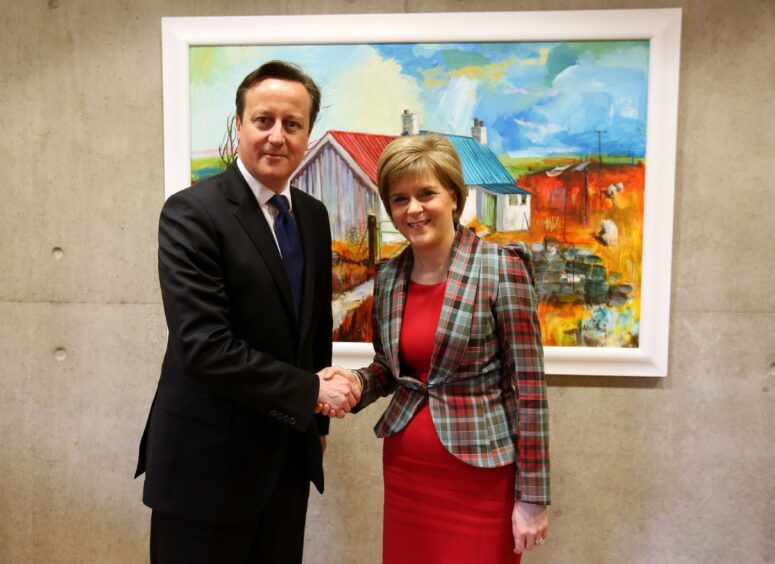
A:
(292, 125)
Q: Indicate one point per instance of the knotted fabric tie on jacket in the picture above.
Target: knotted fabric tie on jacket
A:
(289, 241)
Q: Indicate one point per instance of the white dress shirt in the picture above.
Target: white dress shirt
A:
(263, 195)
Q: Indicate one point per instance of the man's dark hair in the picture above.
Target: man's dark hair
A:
(282, 71)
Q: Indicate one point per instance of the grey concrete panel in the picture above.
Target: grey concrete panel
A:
(307, 7)
(724, 203)
(82, 132)
(345, 524)
(644, 470)
(71, 424)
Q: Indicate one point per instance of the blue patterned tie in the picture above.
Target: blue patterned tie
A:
(287, 233)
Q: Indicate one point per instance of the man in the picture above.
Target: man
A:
(231, 442)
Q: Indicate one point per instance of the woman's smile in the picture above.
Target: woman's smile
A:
(422, 209)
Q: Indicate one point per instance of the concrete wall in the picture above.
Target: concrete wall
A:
(644, 470)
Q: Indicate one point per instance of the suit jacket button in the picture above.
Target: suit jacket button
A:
(292, 421)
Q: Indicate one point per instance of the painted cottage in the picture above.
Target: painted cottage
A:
(340, 170)
(494, 199)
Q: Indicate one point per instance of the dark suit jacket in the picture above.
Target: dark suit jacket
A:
(238, 375)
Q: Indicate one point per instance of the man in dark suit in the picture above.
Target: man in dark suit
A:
(232, 442)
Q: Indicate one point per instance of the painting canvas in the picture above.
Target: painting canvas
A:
(554, 139)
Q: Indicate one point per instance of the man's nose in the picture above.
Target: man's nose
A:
(276, 133)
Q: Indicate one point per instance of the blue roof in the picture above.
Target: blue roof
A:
(482, 168)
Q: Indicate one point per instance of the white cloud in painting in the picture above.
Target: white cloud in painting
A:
(593, 97)
(426, 50)
(451, 107)
(360, 91)
(577, 77)
(368, 95)
(628, 107)
(537, 132)
(366, 88)
(546, 150)
(510, 88)
(621, 56)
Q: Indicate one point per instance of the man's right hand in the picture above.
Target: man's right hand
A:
(338, 392)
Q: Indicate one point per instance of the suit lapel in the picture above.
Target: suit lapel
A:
(304, 220)
(457, 311)
(251, 218)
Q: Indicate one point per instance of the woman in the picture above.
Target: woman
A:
(457, 343)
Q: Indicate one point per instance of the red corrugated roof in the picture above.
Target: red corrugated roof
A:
(364, 148)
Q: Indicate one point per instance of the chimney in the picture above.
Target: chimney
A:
(409, 124)
(479, 131)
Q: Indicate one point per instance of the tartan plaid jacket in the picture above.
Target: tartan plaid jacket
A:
(486, 389)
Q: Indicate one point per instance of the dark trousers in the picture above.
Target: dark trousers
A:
(275, 537)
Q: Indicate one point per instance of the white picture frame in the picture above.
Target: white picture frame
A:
(661, 27)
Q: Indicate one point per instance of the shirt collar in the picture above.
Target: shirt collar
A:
(261, 192)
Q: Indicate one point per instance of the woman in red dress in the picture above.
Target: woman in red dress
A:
(457, 343)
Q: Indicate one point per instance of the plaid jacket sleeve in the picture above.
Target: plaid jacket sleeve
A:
(517, 320)
(377, 379)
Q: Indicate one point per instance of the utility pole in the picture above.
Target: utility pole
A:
(600, 147)
(585, 219)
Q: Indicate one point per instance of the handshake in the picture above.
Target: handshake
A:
(340, 390)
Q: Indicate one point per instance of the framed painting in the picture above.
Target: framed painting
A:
(565, 123)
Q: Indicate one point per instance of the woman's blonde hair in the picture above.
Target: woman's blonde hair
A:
(416, 155)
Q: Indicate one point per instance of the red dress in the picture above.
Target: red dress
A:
(438, 509)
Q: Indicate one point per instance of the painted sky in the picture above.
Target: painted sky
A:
(535, 99)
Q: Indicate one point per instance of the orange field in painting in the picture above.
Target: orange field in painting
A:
(349, 267)
(567, 212)
(356, 325)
